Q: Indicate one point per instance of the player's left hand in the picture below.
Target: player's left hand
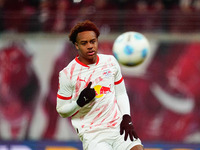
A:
(127, 127)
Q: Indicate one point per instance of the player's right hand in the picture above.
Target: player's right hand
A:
(86, 95)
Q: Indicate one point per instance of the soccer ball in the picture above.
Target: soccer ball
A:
(131, 48)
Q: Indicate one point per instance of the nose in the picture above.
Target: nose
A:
(89, 46)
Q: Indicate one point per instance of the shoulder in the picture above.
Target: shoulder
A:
(105, 57)
(66, 71)
(110, 59)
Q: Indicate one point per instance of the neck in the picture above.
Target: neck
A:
(88, 61)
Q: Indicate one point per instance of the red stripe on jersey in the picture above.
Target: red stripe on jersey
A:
(72, 70)
(63, 97)
(118, 82)
(65, 71)
(78, 61)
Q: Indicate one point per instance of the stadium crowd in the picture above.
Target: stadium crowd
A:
(110, 15)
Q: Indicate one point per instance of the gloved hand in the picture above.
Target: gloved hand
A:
(127, 126)
(86, 95)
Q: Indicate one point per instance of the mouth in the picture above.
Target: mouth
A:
(91, 53)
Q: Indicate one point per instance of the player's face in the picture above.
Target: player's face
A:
(87, 45)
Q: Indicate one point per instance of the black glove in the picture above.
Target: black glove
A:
(86, 95)
(127, 126)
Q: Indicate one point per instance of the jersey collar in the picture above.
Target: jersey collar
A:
(78, 61)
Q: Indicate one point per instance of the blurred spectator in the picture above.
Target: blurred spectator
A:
(20, 14)
(82, 11)
(104, 22)
(13, 18)
(145, 16)
(111, 16)
(168, 7)
(60, 18)
(29, 13)
(45, 15)
(54, 15)
(186, 18)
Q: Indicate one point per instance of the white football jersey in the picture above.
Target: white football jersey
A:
(101, 112)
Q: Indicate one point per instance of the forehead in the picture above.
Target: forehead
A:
(86, 36)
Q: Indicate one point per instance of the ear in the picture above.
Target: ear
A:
(76, 45)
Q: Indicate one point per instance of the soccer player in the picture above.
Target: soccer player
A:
(92, 92)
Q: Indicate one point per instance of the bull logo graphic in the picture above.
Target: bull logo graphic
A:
(101, 90)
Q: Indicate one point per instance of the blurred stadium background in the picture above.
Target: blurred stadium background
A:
(164, 91)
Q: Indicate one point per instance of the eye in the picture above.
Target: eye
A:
(83, 43)
(93, 41)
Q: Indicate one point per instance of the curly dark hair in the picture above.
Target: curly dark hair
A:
(82, 26)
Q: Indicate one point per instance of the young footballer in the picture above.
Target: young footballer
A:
(92, 92)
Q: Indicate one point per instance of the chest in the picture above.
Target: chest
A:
(103, 75)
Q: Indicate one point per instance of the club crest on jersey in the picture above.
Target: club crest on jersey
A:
(107, 73)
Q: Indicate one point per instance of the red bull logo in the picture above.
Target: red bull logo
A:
(101, 90)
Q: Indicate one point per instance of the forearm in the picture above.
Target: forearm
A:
(126, 126)
(122, 98)
(66, 108)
